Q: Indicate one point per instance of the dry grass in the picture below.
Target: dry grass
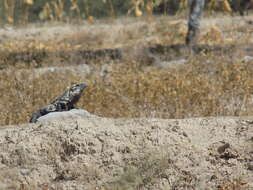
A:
(143, 172)
(150, 169)
(208, 85)
(197, 89)
(236, 184)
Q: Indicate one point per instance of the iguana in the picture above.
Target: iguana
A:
(64, 103)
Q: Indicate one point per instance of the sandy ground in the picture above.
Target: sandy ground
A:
(103, 153)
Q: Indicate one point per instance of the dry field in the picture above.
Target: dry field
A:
(134, 76)
(135, 67)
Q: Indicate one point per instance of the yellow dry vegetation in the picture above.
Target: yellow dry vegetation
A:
(28, 2)
(222, 5)
(210, 84)
(128, 92)
(213, 36)
(55, 10)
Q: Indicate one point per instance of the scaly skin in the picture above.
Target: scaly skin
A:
(65, 102)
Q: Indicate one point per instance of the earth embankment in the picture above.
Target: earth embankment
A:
(103, 153)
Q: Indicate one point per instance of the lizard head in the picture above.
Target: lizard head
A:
(76, 91)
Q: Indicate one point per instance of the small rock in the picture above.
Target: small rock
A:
(248, 58)
(171, 64)
(250, 166)
(185, 134)
(222, 148)
(74, 114)
(25, 171)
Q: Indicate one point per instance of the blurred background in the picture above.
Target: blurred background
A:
(132, 55)
(28, 11)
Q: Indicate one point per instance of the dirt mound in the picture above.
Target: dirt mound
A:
(100, 153)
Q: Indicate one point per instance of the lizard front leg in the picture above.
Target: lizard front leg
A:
(42, 111)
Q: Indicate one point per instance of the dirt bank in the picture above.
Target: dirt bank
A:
(100, 153)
